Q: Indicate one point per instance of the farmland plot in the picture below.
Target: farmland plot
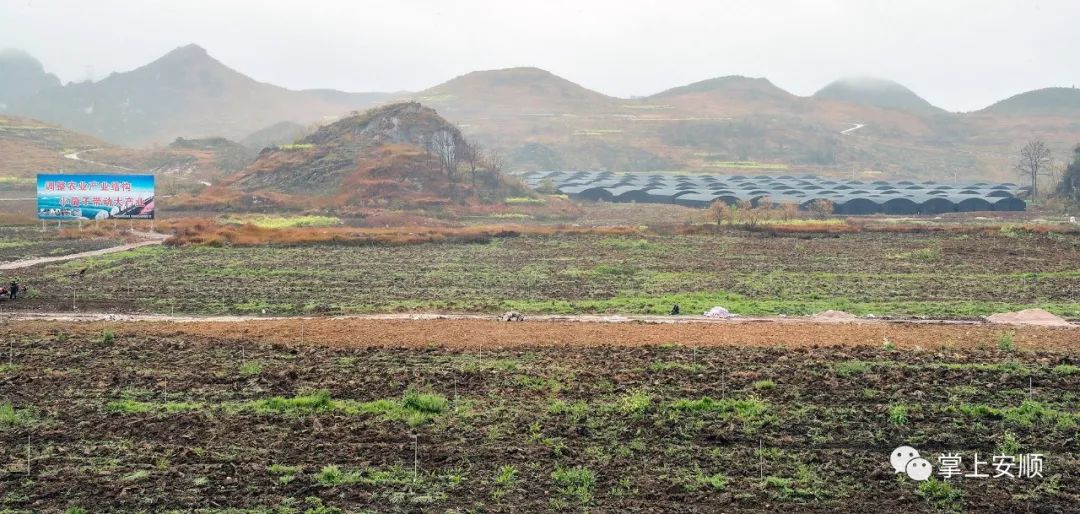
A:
(142, 418)
(936, 275)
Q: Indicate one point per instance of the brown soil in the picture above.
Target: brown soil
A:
(367, 332)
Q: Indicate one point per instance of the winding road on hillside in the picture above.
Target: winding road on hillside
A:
(75, 157)
(854, 127)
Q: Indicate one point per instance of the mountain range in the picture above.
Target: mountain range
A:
(539, 120)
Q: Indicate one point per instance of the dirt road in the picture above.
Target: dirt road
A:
(156, 239)
(75, 157)
(420, 331)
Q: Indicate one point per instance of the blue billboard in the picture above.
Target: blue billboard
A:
(95, 197)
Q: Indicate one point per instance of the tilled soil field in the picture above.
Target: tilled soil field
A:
(28, 242)
(464, 416)
(935, 275)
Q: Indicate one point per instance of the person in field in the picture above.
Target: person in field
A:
(13, 290)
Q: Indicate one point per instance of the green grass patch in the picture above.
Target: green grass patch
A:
(662, 366)
(414, 408)
(250, 368)
(577, 482)
(764, 385)
(284, 474)
(1028, 414)
(848, 369)
(524, 200)
(898, 414)
(278, 222)
(941, 493)
(12, 417)
(744, 409)
(295, 147)
(333, 475)
(131, 406)
(1066, 369)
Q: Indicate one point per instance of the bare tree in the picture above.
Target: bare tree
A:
(472, 155)
(493, 161)
(1034, 161)
(444, 146)
(822, 208)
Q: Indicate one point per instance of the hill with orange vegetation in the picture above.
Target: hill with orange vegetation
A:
(28, 147)
(380, 158)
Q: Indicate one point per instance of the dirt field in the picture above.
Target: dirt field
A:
(302, 415)
(474, 333)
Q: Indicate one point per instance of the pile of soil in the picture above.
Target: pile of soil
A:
(831, 315)
(1036, 317)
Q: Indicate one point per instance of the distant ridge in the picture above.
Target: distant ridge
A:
(1051, 101)
(21, 77)
(742, 87)
(876, 92)
(522, 90)
(184, 93)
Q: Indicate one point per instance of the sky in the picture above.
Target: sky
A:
(960, 55)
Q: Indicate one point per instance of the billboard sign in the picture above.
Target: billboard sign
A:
(95, 197)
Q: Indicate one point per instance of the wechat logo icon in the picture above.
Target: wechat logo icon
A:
(906, 459)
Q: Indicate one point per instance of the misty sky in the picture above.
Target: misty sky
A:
(958, 54)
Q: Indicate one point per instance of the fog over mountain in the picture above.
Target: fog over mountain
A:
(967, 54)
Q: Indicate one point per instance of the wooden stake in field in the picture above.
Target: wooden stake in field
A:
(415, 458)
(761, 461)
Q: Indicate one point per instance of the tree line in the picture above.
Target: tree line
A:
(456, 155)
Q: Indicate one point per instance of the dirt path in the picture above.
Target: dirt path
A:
(156, 239)
(75, 157)
(476, 333)
(854, 127)
(532, 318)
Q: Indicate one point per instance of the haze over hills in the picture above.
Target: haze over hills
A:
(876, 92)
(539, 120)
(1051, 101)
(733, 87)
(21, 77)
(519, 91)
(186, 93)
